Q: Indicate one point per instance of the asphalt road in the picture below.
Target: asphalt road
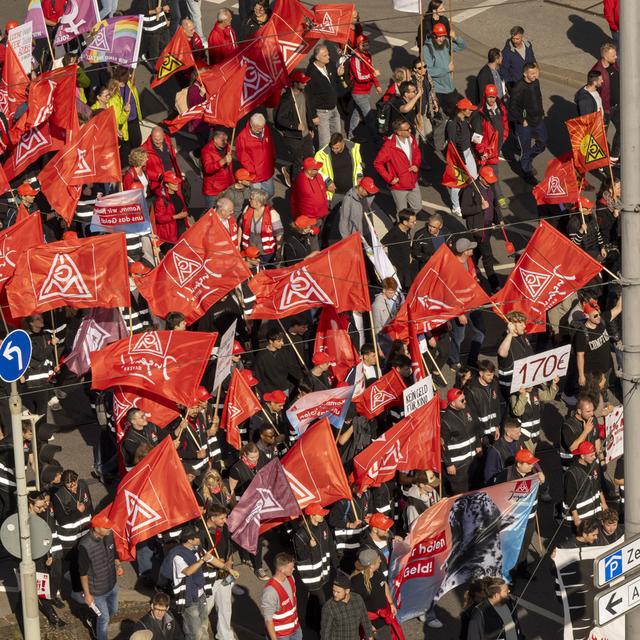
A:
(566, 37)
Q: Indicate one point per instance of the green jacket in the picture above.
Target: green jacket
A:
(324, 156)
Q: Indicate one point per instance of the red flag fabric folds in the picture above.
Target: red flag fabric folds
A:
(202, 267)
(13, 84)
(332, 338)
(169, 362)
(334, 277)
(332, 22)
(154, 496)
(176, 56)
(588, 142)
(78, 273)
(268, 496)
(158, 410)
(412, 443)
(456, 175)
(550, 269)
(383, 393)
(14, 241)
(239, 405)
(560, 184)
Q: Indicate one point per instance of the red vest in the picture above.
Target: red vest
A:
(266, 229)
(285, 620)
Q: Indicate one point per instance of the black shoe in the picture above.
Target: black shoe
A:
(529, 178)
(545, 496)
(57, 602)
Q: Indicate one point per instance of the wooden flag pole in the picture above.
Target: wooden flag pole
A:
(375, 343)
(435, 364)
(130, 321)
(55, 345)
(306, 524)
(357, 54)
(218, 393)
(293, 346)
(269, 420)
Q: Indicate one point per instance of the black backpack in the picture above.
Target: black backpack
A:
(383, 115)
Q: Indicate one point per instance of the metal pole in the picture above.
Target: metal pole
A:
(630, 219)
(27, 565)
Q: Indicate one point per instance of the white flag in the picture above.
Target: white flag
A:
(411, 6)
(378, 256)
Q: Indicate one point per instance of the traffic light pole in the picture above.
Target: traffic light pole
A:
(28, 591)
(630, 224)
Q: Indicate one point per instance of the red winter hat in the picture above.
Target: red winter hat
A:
(589, 306)
(321, 357)
(315, 509)
(584, 449)
(454, 394)
(491, 91)
(380, 521)
(249, 378)
(237, 348)
(277, 396)
(302, 222)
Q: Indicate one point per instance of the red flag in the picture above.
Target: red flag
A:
(314, 470)
(92, 156)
(560, 184)
(78, 273)
(417, 360)
(412, 443)
(335, 277)
(153, 497)
(442, 290)
(550, 269)
(158, 410)
(268, 496)
(202, 267)
(332, 337)
(383, 393)
(169, 362)
(293, 46)
(4, 183)
(13, 84)
(239, 405)
(14, 241)
(456, 175)
(32, 144)
(176, 56)
(588, 142)
(332, 22)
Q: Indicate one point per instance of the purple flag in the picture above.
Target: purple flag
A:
(36, 18)
(80, 16)
(117, 41)
(98, 328)
(268, 496)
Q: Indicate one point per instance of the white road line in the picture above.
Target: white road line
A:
(472, 13)
(216, 1)
(534, 608)
(393, 42)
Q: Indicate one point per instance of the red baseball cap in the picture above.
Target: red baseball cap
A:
(584, 449)
(299, 76)
(100, 521)
(488, 175)
(368, 185)
(491, 91)
(138, 269)
(249, 378)
(277, 396)
(251, 252)
(321, 357)
(590, 306)
(25, 189)
(465, 103)
(170, 177)
(201, 394)
(302, 222)
(311, 163)
(361, 38)
(315, 509)
(454, 394)
(380, 521)
(244, 174)
(70, 236)
(524, 455)
(585, 203)
(237, 348)
(439, 29)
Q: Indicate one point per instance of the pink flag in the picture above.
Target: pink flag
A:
(36, 18)
(80, 16)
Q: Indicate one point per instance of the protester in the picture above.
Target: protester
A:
(494, 617)
(345, 613)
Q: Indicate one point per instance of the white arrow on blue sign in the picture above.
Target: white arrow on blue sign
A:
(15, 355)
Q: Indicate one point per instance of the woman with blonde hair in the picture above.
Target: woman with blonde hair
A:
(135, 176)
(213, 491)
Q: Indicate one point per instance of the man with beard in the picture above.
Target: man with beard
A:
(494, 618)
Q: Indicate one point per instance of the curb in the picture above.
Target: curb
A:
(568, 77)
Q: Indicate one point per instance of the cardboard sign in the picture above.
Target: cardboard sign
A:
(20, 39)
(417, 394)
(614, 438)
(536, 369)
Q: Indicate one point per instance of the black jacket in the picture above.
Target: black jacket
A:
(526, 103)
(484, 77)
(585, 102)
(486, 623)
(322, 92)
(459, 132)
(286, 116)
(471, 206)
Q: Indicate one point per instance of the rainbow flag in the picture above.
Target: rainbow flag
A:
(36, 18)
(117, 41)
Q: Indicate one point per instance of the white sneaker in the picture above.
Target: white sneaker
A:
(422, 617)
(54, 404)
(435, 624)
(456, 211)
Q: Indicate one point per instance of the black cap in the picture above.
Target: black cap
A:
(342, 580)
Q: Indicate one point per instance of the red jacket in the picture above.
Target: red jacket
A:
(154, 168)
(309, 196)
(216, 174)
(222, 43)
(256, 155)
(361, 74)
(489, 147)
(163, 210)
(53, 9)
(612, 14)
(391, 162)
(129, 178)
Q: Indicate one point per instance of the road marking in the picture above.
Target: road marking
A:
(392, 42)
(534, 608)
(472, 13)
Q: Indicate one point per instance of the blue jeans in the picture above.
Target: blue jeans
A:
(108, 605)
(470, 163)
(108, 8)
(210, 201)
(296, 635)
(526, 135)
(267, 185)
(475, 322)
(195, 620)
(195, 13)
(361, 111)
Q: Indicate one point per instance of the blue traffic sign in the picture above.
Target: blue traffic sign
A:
(15, 355)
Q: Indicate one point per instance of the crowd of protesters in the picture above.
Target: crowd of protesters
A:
(326, 573)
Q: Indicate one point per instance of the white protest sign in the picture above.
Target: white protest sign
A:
(536, 369)
(614, 434)
(20, 40)
(418, 394)
(225, 351)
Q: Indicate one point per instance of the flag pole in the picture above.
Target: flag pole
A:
(219, 392)
(4, 322)
(421, 45)
(306, 524)
(293, 346)
(450, 30)
(269, 420)
(348, 46)
(55, 345)
(130, 321)
(375, 343)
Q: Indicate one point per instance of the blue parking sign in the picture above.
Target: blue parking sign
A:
(613, 565)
